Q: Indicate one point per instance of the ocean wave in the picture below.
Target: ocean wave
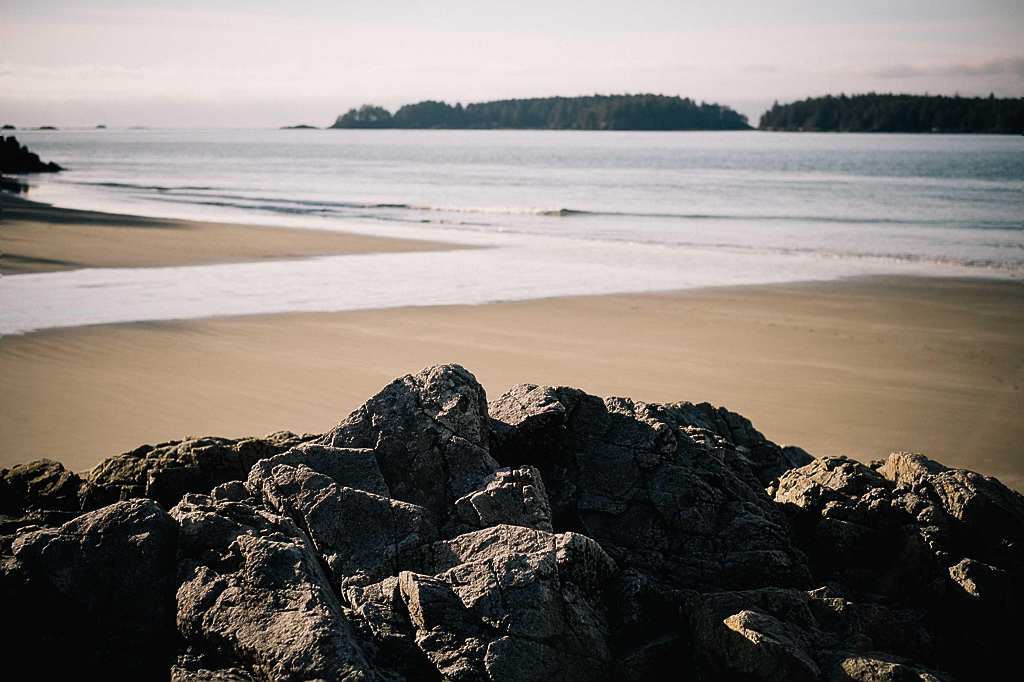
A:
(214, 196)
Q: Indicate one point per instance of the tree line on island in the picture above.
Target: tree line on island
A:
(858, 113)
(597, 112)
(898, 114)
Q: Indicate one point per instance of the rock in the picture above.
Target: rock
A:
(252, 592)
(429, 433)
(362, 538)
(350, 467)
(981, 581)
(15, 158)
(42, 485)
(881, 668)
(767, 460)
(673, 501)
(8, 185)
(99, 590)
(507, 603)
(911, 532)
(168, 471)
(510, 496)
(549, 535)
(985, 518)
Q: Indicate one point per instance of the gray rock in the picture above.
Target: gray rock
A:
(252, 591)
(99, 589)
(767, 460)
(912, 533)
(168, 471)
(40, 492)
(361, 537)
(429, 432)
(673, 501)
(509, 496)
(984, 582)
(881, 668)
(351, 467)
(507, 603)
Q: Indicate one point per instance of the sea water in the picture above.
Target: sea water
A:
(558, 212)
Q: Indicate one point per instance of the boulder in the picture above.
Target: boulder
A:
(167, 471)
(99, 590)
(676, 502)
(252, 592)
(505, 603)
(429, 433)
(16, 158)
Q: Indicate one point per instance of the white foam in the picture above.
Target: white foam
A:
(516, 270)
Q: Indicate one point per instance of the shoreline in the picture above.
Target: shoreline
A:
(861, 366)
(40, 238)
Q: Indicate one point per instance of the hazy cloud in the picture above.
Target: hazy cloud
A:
(993, 67)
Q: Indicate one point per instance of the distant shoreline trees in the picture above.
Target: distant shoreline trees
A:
(597, 112)
(897, 114)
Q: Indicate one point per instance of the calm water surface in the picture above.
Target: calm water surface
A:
(566, 213)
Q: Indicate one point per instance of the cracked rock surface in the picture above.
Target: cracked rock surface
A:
(547, 535)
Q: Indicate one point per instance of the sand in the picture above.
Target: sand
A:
(859, 367)
(37, 237)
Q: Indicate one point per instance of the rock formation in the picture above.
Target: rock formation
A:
(546, 535)
(16, 158)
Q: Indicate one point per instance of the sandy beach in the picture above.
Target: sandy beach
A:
(37, 237)
(859, 367)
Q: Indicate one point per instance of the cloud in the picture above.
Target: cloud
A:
(993, 67)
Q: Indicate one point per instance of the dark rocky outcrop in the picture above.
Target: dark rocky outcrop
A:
(16, 158)
(96, 593)
(167, 471)
(547, 535)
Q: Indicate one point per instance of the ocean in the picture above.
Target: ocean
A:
(560, 213)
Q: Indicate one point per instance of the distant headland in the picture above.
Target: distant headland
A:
(873, 113)
(597, 112)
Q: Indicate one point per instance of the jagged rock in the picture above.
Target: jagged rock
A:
(506, 603)
(673, 501)
(981, 581)
(429, 432)
(98, 592)
(773, 634)
(767, 460)
(252, 591)
(168, 471)
(509, 496)
(16, 158)
(351, 467)
(985, 518)
(361, 537)
(881, 668)
(912, 532)
(551, 535)
(40, 492)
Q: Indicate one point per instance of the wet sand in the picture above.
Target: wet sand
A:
(859, 367)
(37, 237)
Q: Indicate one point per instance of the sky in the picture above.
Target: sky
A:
(261, 64)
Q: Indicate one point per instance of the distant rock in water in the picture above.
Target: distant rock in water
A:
(101, 127)
(14, 186)
(302, 126)
(15, 158)
(7, 126)
(545, 535)
(46, 128)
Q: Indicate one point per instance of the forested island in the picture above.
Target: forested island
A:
(898, 114)
(597, 112)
